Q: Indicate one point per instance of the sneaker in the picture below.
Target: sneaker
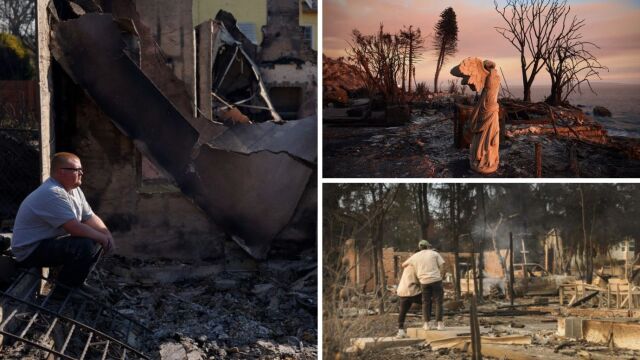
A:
(429, 326)
(401, 334)
(440, 325)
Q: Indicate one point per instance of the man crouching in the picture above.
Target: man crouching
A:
(55, 226)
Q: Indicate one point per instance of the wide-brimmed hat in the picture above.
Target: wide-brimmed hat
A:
(424, 243)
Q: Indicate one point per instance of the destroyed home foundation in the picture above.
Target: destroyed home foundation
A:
(515, 287)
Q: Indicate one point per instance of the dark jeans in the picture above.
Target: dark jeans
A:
(432, 293)
(76, 255)
(405, 305)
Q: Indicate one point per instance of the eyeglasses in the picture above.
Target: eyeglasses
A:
(75, 170)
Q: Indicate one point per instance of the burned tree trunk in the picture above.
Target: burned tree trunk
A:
(382, 198)
(480, 190)
(454, 215)
(511, 275)
(530, 28)
(421, 193)
(586, 251)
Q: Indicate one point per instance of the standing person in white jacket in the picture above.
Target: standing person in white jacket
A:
(409, 293)
(428, 265)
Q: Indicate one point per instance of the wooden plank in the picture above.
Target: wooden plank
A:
(461, 340)
(379, 343)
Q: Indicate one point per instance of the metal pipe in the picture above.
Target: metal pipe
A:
(35, 344)
(66, 341)
(4, 323)
(86, 346)
(228, 67)
(106, 348)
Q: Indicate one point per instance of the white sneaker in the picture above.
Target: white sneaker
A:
(440, 325)
(401, 334)
(429, 326)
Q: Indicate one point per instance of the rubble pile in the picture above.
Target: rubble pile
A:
(232, 315)
(541, 329)
(339, 80)
(424, 148)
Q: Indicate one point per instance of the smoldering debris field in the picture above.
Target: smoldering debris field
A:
(528, 271)
(424, 147)
(191, 313)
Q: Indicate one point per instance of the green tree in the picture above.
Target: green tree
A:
(14, 59)
(17, 17)
(445, 40)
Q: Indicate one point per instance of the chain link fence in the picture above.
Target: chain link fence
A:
(19, 147)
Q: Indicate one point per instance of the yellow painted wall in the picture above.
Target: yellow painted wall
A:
(308, 18)
(245, 11)
(249, 11)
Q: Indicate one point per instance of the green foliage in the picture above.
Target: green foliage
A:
(15, 62)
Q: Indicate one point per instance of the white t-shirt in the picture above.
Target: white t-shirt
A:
(426, 263)
(42, 214)
(409, 284)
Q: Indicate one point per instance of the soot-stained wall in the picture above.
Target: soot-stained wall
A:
(148, 221)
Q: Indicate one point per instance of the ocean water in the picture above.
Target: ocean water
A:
(621, 99)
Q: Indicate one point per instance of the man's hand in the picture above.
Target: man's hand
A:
(106, 241)
(97, 224)
(111, 244)
(102, 235)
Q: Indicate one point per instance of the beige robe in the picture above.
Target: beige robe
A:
(485, 127)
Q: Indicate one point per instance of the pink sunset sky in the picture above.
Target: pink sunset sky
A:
(612, 25)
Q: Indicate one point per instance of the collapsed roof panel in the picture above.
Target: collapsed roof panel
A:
(248, 178)
(249, 192)
(248, 139)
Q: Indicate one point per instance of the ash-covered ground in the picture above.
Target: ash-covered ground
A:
(424, 148)
(542, 328)
(268, 314)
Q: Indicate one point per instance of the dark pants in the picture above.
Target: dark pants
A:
(405, 305)
(75, 255)
(432, 293)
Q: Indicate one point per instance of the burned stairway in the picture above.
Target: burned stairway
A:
(249, 178)
(74, 326)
